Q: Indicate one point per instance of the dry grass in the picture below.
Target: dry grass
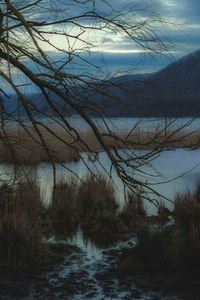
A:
(133, 216)
(145, 139)
(97, 205)
(63, 212)
(157, 138)
(163, 214)
(92, 205)
(20, 225)
(20, 146)
(187, 210)
(185, 240)
(170, 249)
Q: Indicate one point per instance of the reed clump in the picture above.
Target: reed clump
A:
(21, 232)
(24, 146)
(92, 204)
(185, 247)
(133, 216)
(63, 211)
(97, 205)
(187, 210)
(172, 249)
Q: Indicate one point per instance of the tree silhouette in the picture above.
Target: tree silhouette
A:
(43, 46)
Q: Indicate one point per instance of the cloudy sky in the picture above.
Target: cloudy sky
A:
(113, 52)
(181, 29)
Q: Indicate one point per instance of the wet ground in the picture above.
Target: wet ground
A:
(82, 275)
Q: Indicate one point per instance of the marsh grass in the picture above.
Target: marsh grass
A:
(186, 241)
(97, 205)
(63, 211)
(163, 214)
(140, 139)
(21, 218)
(22, 146)
(173, 249)
(133, 216)
(92, 205)
(187, 210)
(25, 147)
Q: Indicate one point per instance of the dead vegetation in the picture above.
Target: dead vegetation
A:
(23, 146)
(92, 205)
(173, 249)
(63, 213)
(21, 225)
(97, 205)
(133, 216)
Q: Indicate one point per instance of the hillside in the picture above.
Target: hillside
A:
(173, 91)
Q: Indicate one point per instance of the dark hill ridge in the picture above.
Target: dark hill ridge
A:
(174, 91)
(182, 76)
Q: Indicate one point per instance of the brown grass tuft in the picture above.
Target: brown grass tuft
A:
(97, 205)
(133, 216)
(20, 147)
(63, 211)
(20, 225)
(25, 147)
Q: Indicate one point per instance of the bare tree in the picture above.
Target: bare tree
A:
(43, 46)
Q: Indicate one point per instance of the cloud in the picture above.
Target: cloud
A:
(184, 37)
(183, 12)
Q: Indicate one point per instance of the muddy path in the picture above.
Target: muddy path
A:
(82, 274)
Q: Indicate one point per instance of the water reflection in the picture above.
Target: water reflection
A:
(86, 244)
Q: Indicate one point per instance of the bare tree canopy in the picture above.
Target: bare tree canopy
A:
(42, 49)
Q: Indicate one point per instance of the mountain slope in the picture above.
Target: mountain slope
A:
(173, 91)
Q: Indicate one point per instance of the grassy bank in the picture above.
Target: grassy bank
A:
(55, 144)
(169, 254)
(24, 228)
(20, 146)
(90, 205)
(21, 225)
